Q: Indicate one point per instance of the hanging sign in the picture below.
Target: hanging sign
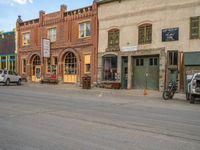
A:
(46, 48)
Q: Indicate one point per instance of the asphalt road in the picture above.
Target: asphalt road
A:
(49, 118)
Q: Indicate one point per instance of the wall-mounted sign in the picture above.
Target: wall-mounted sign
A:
(171, 34)
(129, 49)
(46, 48)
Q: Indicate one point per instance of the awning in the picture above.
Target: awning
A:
(11, 60)
(191, 58)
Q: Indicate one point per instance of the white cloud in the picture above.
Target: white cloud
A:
(12, 2)
(22, 1)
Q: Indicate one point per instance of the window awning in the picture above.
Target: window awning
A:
(192, 58)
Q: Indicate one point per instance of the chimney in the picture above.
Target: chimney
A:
(63, 9)
(41, 16)
(19, 20)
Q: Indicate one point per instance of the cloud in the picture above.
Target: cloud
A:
(22, 1)
(12, 2)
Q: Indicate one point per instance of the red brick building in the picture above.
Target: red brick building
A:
(73, 45)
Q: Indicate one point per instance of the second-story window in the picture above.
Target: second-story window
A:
(145, 34)
(195, 28)
(51, 34)
(84, 30)
(113, 38)
(26, 39)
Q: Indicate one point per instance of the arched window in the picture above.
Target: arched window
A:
(113, 38)
(145, 34)
(70, 64)
(36, 62)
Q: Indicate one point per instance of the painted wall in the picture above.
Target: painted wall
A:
(129, 14)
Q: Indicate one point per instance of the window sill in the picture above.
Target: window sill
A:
(144, 43)
(25, 46)
(82, 38)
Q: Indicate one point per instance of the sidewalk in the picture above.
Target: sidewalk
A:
(120, 92)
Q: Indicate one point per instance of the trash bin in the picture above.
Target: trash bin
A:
(86, 82)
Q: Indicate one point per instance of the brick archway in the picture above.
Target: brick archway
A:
(64, 52)
(30, 66)
(61, 59)
(31, 56)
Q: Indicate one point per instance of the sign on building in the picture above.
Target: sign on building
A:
(46, 48)
(171, 34)
(129, 48)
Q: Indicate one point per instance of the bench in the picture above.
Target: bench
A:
(49, 79)
(110, 85)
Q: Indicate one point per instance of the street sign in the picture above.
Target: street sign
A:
(46, 48)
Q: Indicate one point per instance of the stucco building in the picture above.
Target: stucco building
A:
(73, 45)
(7, 51)
(142, 42)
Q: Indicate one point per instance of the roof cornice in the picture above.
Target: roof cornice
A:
(99, 2)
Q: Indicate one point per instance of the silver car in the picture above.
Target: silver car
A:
(8, 77)
(193, 88)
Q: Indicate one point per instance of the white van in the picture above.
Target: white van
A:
(8, 77)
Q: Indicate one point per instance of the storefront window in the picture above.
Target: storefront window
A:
(70, 64)
(3, 62)
(55, 60)
(12, 63)
(48, 65)
(110, 68)
(24, 65)
(87, 63)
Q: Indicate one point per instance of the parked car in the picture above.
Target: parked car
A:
(8, 77)
(193, 88)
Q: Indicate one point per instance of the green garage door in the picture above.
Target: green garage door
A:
(146, 72)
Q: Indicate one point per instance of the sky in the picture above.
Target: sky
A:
(29, 9)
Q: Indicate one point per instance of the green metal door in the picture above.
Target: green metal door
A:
(146, 72)
(153, 73)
